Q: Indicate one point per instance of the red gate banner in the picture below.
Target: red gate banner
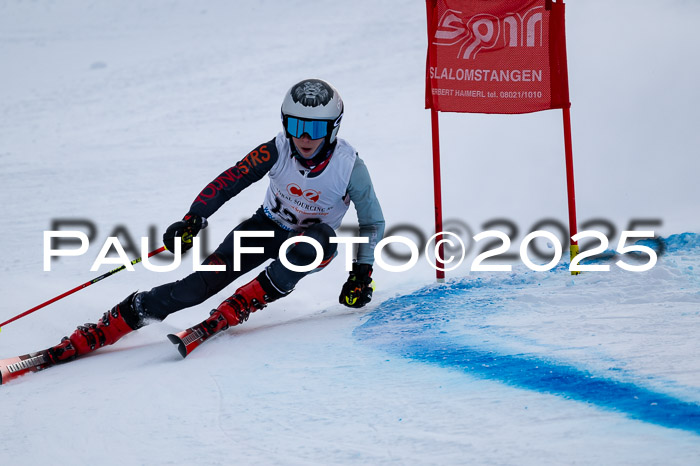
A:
(496, 56)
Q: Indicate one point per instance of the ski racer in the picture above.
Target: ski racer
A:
(313, 176)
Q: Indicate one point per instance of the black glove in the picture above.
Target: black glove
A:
(357, 291)
(186, 229)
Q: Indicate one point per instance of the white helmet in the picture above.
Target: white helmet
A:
(314, 107)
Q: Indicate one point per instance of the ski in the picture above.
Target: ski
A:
(11, 368)
(189, 339)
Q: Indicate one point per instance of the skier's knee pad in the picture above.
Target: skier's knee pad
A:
(321, 232)
(303, 253)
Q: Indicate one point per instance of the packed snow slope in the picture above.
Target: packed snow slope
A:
(116, 114)
(495, 327)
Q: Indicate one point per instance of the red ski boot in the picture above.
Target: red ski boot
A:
(115, 323)
(232, 311)
(249, 298)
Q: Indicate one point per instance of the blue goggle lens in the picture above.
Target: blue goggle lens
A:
(316, 129)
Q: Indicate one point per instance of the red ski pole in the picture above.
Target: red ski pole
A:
(80, 287)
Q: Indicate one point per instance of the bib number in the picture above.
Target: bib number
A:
(289, 217)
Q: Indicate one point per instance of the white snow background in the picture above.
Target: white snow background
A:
(121, 112)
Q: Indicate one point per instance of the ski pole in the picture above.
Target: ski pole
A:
(80, 287)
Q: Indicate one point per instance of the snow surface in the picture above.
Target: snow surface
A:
(120, 112)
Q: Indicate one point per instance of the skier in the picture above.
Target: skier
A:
(313, 177)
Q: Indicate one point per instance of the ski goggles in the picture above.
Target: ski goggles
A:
(316, 129)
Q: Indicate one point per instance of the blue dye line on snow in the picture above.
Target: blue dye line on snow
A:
(413, 326)
(557, 379)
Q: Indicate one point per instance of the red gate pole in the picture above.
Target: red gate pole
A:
(437, 188)
(568, 149)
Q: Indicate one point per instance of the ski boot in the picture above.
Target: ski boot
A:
(249, 298)
(115, 323)
(234, 310)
